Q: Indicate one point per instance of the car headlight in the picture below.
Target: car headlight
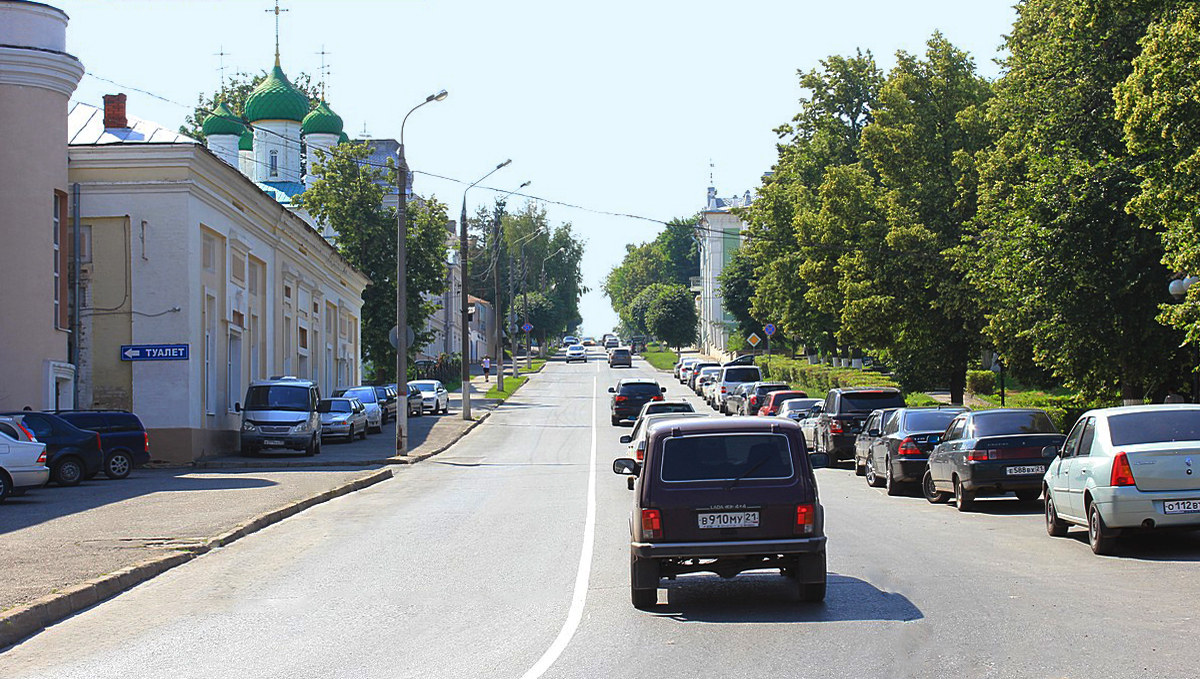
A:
(302, 428)
(249, 427)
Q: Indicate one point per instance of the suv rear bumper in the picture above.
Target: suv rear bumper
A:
(681, 550)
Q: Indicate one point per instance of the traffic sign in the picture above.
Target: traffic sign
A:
(753, 340)
(154, 352)
(394, 337)
(527, 327)
(769, 329)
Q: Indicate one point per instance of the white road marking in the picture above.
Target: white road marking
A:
(579, 598)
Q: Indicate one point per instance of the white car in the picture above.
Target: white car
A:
(576, 352)
(22, 458)
(1125, 469)
(366, 396)
(731, 376)
(797, 408)
(636, 439)
(434, 396)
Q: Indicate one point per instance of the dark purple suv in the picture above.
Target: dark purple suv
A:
(725, 496)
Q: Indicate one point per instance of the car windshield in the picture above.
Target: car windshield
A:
(1161, 426)
(426, 386)
(338, 406)
(709, 371)
(726, 457)
(669, 408)
(866, 401)
(1002, 422)
(364, 394)
(929, 420)
(744, 374)
(640, 389)
(277, 397)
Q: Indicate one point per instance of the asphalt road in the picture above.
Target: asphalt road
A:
(469, 565)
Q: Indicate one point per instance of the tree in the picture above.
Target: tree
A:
(640, 307)
(349, 198)
(672, 318)
(234, 92)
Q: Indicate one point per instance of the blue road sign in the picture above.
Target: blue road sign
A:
(769, 329)
(154, 352)
(527, 327)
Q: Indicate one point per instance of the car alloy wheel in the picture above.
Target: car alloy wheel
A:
(873, 480)
(893, 488)
(118, 466)
(932, 494)
(1102, 541)
(1055, 527)
(963, 498)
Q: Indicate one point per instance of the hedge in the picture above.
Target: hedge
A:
(817, 379)
(981, 382)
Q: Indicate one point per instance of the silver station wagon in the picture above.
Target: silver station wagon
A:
(1123, 469)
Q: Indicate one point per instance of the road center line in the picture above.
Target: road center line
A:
(579, 598)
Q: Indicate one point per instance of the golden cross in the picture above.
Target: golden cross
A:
(324, 71)
(222, 54)
(276, 11)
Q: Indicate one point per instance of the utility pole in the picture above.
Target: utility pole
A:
(525, 295)
(512, 315)
(496, 284)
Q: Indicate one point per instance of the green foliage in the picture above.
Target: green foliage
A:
(671, 258)
(234, 93)
(552, 265)
(661, 358)
(349, 198)
(918, 399)
(981, 381)
(672, 316)
(817, 379)
(634, 318)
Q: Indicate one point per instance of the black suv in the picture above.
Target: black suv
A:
(845, 411)
(725, 496)
(72, 454)
(630, 395)
(122, 437)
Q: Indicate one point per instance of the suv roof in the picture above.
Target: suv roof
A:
(286, 380)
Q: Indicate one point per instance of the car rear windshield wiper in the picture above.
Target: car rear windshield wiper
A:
(748, 472)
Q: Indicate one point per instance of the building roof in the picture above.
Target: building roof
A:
(246, 141)
(283, 192)
(322, 120)
(85, 126)
(276, 98)
(222, 121)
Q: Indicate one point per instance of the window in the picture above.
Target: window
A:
(254, 349)
(304, 338)
(287, 291)
(255, 272)
(1000, 423)
(237, 269)
(210, 350)
(929, 420)
(60, 318)
(210, 254)
(234, 370)
(274, 163)
(726, 457)
(1159, 426)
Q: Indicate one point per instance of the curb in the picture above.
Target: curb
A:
(413, 459)
(25, 621)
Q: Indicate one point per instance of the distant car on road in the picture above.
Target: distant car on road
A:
(725, 496)
(124, 440)
(636, 439)
(1126, 469)
(774, 400)
(589, 342)
(343, 417)
(569, 340)
(991, 452)
(22, 459)
(72, 454)
(620, 356)
(656, 407)
(576, 352)
(730, 376)
(629, 396)
(612, 342)
(416, 402)
(697, 369)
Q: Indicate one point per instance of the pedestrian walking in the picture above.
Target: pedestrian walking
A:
(487, 369)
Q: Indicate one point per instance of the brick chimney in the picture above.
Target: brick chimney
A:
(114, 111)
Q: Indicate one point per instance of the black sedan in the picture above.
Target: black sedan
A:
(898, 453)
(72, 454)
(991, 452)
(630, 395)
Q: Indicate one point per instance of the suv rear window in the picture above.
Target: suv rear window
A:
(742, 374)
(1002, 423)
(933, 420)
(620, 352)
(1155, 427)
(726, 457)
(866, 401)
(640, 389)
(277, 397)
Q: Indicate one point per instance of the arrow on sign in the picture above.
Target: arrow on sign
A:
(132, 353)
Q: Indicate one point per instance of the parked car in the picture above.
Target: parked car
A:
(844, 413)
(725, 496)
(990, 452)
(1126, 469)
(387, 402)
(678, 365)
(893, 450)
(738, 397)
(754, 396)
(697, 369)
(773, 400)
(434, 394)
(72, 454)
(705, 382)
(795, 409)
(416, 402)
(343, 417)
(281, 413)
(685, 369)
(576, 352)
(620, 356)
(746, 359)
(22, 459)
(367, 396)
(636, 439)
(656, 407)
(809, 423)
(629, 396)
(730, 376)
(124, 440)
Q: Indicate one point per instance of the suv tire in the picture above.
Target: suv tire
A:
(873, 479)
(68, 471)
(643, 598)
(616, 421)
(118, 465)
(893, 487)
(6, 486)
(812, 592)
(1028, 495)
(311, 449)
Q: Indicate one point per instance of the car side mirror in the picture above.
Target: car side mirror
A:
(1050, 452)
(625, 465)
(818, 460)
(237, 407)
(626, 438)
(612, 390)
(873, 432)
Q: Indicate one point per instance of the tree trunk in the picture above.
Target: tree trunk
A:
(958, 385)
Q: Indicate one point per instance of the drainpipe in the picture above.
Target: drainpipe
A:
(75, 301)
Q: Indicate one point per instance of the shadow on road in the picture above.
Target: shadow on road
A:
(772, 598)
(1167, 546)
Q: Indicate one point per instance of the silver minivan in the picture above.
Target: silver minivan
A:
(281, 414)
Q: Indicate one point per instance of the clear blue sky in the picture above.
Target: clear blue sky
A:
(617, 106)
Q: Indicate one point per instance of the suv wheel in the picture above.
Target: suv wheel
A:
(1101, 539)
(68, 471)
(935, 496)
(311, 448)
(616, 421)
(118, 465)
(1055, 527)
(963, 498)
(812, 592)
(859, 469)
(643, 598)
(873, 479)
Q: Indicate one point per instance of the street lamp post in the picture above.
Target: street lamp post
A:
(542, 282)
(465, 318)
(499, 238)
(402, 281)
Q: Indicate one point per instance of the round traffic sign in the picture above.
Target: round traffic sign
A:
(769, 329)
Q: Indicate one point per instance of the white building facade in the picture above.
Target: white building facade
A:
(719, 236)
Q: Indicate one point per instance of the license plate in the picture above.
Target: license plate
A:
(273, 442)
(1181, 507)
(1028, 469)
(728, 520)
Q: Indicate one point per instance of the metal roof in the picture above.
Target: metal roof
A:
(85, 127)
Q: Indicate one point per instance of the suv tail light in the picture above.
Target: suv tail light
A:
(909, 447)
(145, 442)
(651, 524)
(620, 399)
(1122, 473)
(806, 519)
(657, 398)
(1018, 453)
(641, 451)
(27, 432)
(723, 389)
(977, 455)
(835, 427)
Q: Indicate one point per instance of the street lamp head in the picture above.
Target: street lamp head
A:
(527, 183)
(440, 96)
(504, 164)
(1177, 288)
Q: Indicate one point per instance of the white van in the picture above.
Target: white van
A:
(731, 376)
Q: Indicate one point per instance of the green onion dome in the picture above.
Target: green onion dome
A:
(343, 138)
(322, 120)
(222, 121)
(276, 99)
(246, 142)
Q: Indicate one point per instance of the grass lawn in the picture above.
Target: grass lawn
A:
(660, 357)
(511, 384)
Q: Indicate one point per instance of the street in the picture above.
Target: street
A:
(469, 565)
